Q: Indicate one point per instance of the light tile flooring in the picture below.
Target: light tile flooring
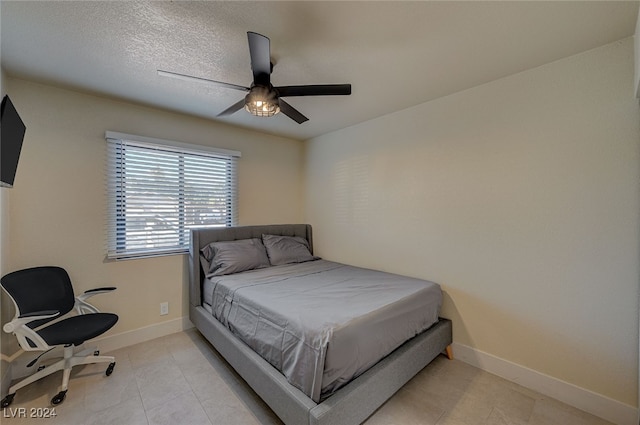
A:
(180, 379)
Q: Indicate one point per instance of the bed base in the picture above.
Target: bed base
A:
(351, 404)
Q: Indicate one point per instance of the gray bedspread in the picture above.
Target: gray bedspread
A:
(323, 323)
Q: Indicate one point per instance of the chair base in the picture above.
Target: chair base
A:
(65, 364)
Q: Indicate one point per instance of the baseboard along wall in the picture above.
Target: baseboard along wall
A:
(596, 404)
(583, 399)
(136, 336)
(18, 369)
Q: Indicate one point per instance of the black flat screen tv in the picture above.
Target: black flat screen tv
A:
(12, 131)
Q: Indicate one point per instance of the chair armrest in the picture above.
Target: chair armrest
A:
(91, 292)
(101, 290)
(82, 306)
(22, 320)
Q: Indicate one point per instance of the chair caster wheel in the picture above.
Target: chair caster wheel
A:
(96, 353)
(110, 368)
(7, 400)
(59, 398)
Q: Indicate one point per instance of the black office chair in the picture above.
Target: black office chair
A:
(42, 295)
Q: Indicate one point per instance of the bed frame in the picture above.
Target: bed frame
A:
(351, 404)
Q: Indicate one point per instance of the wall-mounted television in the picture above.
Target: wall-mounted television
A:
(12, 131)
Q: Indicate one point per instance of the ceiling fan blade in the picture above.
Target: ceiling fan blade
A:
(200, 80)
(315, 90)
(292, 112)
(260, 51)
(233, 108)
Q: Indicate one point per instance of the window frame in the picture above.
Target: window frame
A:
(119, 244)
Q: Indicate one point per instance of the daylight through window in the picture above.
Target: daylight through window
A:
(159, 189)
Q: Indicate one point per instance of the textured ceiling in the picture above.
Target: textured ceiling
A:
(395, 54)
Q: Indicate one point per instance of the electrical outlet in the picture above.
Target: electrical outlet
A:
(164, 309)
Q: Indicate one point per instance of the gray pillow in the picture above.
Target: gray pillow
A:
(235, 256)
(287, 249)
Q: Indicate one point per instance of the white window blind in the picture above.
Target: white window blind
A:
(158, 190)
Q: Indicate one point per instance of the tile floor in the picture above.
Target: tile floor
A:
(180, 379)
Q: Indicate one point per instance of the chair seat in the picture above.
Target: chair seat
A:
(77, 329)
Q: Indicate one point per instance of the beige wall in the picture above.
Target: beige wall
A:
(58, 204)
(521, 197)
(8, 344)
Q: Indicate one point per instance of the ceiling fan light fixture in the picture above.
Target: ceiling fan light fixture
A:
(262, 108)
(262, 102)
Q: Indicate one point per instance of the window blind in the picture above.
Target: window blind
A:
(158, 190)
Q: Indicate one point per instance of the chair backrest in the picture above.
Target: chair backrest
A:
(40, 289)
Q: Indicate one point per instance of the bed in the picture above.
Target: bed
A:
(255, 319)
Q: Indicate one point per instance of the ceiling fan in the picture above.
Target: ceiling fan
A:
(263, 99)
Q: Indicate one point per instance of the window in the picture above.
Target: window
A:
(158, 190)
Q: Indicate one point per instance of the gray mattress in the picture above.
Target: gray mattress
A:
(322, 323)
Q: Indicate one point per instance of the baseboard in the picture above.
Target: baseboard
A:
(586, 400)
(596, 404)
(125, 339)
(17, 368)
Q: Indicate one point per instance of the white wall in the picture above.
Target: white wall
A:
(58, 203)
(520, 197)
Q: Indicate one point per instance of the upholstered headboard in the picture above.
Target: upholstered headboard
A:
(204, 236)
